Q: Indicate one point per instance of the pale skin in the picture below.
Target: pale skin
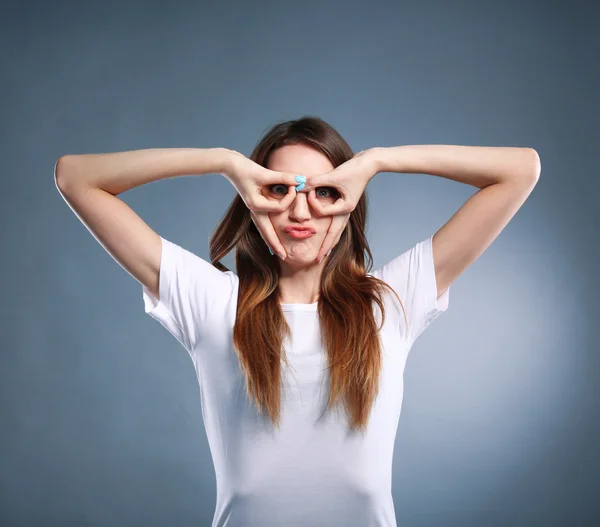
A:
(300, 273)
(505, 177)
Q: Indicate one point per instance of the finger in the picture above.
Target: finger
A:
(271, 177)
(346, 218)
(263, 204)
(314, 182)
(346, 221)
(265, 227)
(259, 228)
(325, 180)
(315, 203)
(276, 205)
(285, 202)
(333, 234)
(339, 207)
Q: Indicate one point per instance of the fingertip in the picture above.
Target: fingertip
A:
(287, 201)
(319, 207)
(312, 199)
(291, 180)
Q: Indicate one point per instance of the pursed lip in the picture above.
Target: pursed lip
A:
(301, 229)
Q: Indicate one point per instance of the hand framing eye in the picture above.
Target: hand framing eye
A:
(349, 179)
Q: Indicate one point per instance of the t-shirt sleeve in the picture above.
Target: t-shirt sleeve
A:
(412, 276)
(190, 288)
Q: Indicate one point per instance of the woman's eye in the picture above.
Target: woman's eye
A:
(327, 193)
(279, 189)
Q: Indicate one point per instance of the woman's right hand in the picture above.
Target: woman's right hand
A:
(250, 180)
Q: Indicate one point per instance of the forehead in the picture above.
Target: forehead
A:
(299, 159)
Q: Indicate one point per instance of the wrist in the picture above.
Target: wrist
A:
(379, 159)
(224, 160)
(395, 158)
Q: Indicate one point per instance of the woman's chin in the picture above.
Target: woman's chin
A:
(301, 259)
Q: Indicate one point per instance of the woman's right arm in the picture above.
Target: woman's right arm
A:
(90, 183)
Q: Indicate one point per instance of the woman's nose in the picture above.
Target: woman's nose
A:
(300, 206)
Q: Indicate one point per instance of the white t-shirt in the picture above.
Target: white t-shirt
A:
(311, 471)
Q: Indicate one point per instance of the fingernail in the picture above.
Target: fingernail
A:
(280, 256)
(325, 255)
(270, 250)
(300, 179)
(299, 187)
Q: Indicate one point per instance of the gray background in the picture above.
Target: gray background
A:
(99, 405)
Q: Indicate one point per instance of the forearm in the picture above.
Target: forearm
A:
(117, 172)
(479, 166)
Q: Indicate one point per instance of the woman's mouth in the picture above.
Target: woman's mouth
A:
(299, 234)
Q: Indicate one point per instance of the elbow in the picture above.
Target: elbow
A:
(62, 170)
(535, 166)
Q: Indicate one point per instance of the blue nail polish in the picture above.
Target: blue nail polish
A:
(299, 187)
(300, 179)
(270, 251)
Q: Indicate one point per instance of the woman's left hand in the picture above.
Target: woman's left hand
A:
(349, 179)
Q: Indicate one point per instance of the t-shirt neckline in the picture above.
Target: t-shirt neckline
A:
(299, 307)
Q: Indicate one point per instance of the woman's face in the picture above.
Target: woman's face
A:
(301, 160)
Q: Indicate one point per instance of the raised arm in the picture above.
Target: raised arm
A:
(90, 183)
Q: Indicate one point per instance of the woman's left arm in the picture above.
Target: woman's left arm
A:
(505, 176)
(479, 166)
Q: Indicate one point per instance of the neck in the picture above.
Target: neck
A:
(299, 284)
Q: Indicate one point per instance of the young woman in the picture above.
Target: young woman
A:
(300, 357)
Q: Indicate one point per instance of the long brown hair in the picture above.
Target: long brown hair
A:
(345, 307)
